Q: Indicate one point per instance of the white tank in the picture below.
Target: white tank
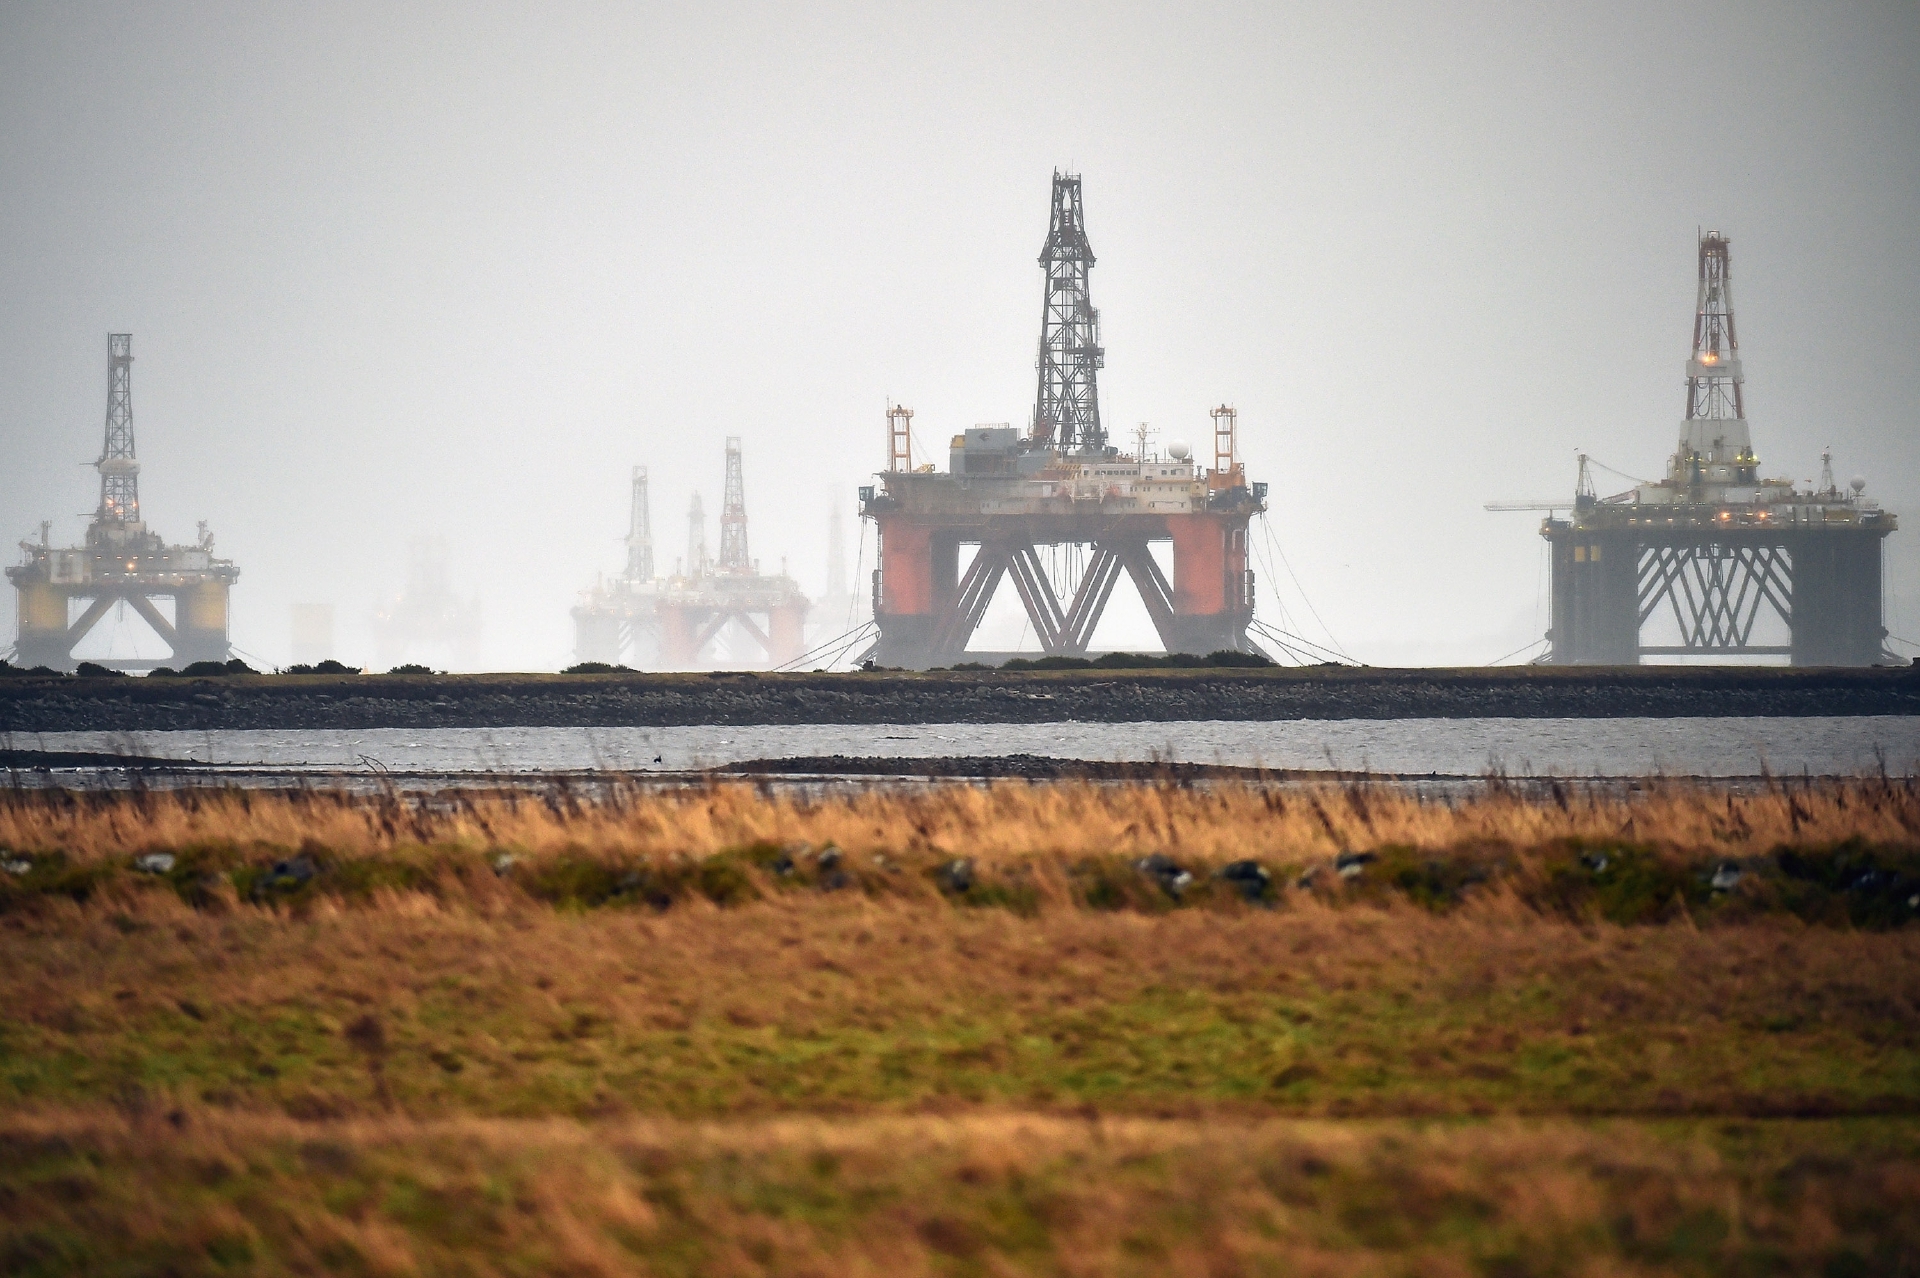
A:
(1178, 450)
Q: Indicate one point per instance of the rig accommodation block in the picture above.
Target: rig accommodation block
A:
(121, 562)
(1713, 544)
(1059, 483)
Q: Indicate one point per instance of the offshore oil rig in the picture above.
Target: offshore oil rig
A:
(1060, 484)
(121, 563)
(1713, 546)
(677, 622)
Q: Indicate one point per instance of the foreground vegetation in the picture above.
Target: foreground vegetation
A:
(968, 1029)
(216, 1193)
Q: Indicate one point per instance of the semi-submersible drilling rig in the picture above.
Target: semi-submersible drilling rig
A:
(671, 623)
(121, 563)
(1715, 543)
(1060, 483)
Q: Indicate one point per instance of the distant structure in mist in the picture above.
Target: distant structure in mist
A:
(714, 611)
(122, 565)
(427, 622)
(841, 608)
(1714, 554)
(312, 626)
(618, 621)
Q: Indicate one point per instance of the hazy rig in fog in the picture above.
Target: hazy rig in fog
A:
(677, 622)
(121, 563)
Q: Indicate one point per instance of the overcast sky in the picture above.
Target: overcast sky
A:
(406, 270)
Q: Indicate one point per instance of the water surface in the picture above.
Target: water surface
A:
(1839, 745)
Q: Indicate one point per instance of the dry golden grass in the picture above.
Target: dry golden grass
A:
(803, 1002)
(1002, 820)
(667, 1037)
(211, 1193)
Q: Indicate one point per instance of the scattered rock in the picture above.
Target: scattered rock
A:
(1250, 877)
(1595, 861)
(1727, 877)
(1162, 869)
(832, 876)
(154, 863)
(16, 865)
(1870, 881)
(503, 863)
(286, 876)
(957, 875)
(1348, 865)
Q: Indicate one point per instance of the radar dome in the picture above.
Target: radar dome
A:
(1857, 483)
(1178, 450)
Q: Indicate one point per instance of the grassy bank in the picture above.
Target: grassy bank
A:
(212, 1193)
(969, 1029)
(1833, 852)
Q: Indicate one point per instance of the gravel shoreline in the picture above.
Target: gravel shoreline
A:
(31, 705)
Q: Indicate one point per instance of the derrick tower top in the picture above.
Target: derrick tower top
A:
(696, 538)
(733, 515)
(119, 471)
(1066, 412)
(639, 531)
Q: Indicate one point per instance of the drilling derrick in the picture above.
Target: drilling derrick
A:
(1061, 484)
(619, 620)
(697, 563)
(639, 531)
(730, 593)
(1067, 409)
(1714, 551)
(122, 563)
(733, 515)
(119, 471)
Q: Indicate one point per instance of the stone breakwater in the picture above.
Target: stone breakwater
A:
(29, 705)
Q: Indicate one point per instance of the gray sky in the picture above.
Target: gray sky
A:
(406, 270)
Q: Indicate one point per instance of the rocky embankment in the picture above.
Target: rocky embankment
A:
(29, 705)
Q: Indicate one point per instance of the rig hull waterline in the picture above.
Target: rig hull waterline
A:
(1007, 494)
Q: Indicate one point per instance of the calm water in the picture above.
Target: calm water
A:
(1459, 747)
